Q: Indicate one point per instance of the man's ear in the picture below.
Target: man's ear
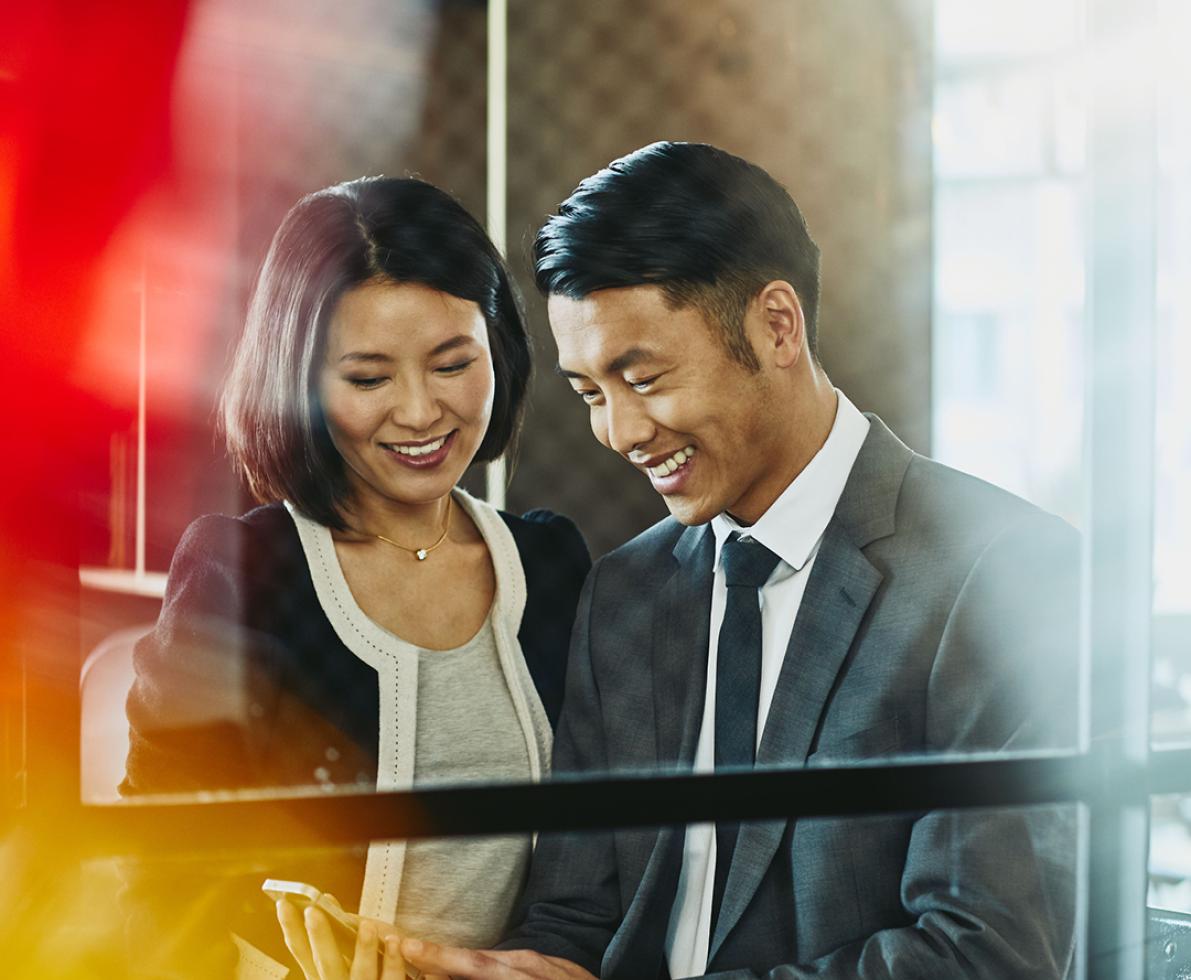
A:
(784, 323)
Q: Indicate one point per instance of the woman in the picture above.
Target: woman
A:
(370, 623)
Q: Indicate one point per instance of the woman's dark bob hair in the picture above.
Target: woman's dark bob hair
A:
(375, 229)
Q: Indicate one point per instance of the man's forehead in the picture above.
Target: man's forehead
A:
(613, 301)
(598, 361)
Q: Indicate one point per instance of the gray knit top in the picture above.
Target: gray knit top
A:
(462, 890)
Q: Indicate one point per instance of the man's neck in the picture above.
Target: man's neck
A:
(812, 417)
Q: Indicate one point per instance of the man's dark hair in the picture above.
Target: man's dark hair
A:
(375, 229)
(707, 227)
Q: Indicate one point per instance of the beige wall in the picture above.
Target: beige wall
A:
(832, 98)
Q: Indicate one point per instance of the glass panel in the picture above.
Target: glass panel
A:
(1172, 522)
(1016, 124)
(1172, 533)
(1009, 328)
(1169, 897)
(967, 34)
(269, 102)
(991, 887)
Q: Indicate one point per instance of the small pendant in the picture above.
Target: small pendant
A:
(421, 553)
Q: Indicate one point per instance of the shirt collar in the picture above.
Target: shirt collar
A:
(794, 523)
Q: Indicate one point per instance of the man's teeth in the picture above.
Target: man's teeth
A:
(430, 447)
(668, 466)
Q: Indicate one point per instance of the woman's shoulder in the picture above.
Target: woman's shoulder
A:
(259, 545)
(543, 536)
(259, 524)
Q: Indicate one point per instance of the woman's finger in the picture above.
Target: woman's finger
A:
(364, 960)
(394, 968)
(293, 929)
(327, 956)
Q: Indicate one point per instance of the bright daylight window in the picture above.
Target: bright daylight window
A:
(1010, 312)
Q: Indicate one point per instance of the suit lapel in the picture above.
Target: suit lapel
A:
(840, 589)
(681, 624)
(679, 677)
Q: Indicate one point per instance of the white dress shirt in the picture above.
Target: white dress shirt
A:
(791, 528)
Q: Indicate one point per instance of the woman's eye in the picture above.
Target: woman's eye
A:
(455, 368)
(366, 382)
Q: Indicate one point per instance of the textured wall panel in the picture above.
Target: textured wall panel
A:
(832, 98)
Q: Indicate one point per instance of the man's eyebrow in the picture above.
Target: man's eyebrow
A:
(632, 356)
(622, 362)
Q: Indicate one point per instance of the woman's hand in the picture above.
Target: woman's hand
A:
(311, 940)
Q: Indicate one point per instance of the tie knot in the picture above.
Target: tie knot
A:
(747, 563)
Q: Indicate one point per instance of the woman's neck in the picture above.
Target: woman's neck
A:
(412, 525)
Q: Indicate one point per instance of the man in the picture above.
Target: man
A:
(819, 594)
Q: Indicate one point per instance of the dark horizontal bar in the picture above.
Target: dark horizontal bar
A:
(625, 801)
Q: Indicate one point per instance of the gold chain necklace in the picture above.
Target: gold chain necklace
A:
(421, 553)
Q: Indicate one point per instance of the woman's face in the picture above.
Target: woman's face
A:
(406, 384)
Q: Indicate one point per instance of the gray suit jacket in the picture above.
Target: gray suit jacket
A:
(939, 617)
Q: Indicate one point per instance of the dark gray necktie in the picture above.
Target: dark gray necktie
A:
(747, 566)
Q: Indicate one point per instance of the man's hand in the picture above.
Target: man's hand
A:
(497, 964)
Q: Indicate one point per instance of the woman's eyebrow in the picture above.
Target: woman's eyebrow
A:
(459, 340)
(365, 356)
(371, 357)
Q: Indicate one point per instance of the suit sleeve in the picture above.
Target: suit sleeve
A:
(989, 893)
(571, 907)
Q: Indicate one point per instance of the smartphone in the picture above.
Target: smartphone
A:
(344, 924)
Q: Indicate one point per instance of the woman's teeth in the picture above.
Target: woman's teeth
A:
(430, 447)
(668, 466)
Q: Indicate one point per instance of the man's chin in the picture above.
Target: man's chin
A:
(688, 512)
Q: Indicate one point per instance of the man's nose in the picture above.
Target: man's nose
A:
(628, 425)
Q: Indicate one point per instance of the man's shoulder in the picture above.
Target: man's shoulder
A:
(648, 554)
(939, 502)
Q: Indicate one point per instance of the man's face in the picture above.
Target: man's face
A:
(664, 394)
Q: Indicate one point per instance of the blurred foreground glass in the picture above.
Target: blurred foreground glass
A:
(983, 884)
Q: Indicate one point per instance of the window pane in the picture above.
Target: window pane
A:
(1009, 329)
(1172, 517)
(1169, 897)
(967, 34)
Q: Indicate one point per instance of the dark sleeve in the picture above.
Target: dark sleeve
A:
(556, 562)
(206, 676)
(203, 697)
(991, 892)
(571, 906)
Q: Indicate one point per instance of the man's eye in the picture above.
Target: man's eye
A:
(642, 384)
(366, 382)
(587, 396)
